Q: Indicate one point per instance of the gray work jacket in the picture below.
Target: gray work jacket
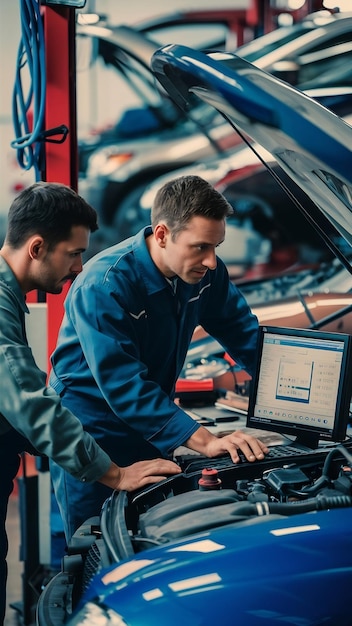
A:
(28, 405)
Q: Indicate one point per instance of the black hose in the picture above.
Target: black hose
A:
(322, 503)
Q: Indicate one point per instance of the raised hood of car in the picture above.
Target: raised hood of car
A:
(310, 143)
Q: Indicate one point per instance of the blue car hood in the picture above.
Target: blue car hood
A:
(310, 143)
(199, 580)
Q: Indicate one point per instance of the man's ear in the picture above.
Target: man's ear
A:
(35, 247)
(161, 233)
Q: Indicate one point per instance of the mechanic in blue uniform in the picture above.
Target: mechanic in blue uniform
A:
(129, 319)
(48, 229)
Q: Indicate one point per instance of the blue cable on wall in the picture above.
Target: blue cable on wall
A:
(31, 55)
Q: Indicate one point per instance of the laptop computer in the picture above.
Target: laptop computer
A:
(301, 389)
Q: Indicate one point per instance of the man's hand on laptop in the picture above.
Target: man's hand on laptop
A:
(206, 443)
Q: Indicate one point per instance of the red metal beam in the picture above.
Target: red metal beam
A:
(61, 163)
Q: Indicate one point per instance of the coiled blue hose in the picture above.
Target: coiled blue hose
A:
(31, 55)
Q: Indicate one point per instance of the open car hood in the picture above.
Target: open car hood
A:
(310, 143)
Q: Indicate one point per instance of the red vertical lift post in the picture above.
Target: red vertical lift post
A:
(60, 159)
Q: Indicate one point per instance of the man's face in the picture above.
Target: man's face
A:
(63, 262)
(193, 251)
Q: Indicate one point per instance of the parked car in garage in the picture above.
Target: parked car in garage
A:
(272, 545)
(116, 174)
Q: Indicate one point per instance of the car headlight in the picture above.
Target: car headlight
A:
(93, 615)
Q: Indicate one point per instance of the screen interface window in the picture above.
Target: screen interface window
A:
(299, 380)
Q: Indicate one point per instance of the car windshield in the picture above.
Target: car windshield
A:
(290, 43)
(326, 67)
(271, 41)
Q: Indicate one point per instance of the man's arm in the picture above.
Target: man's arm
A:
(206, 443)
(139, 474)
(35, 411)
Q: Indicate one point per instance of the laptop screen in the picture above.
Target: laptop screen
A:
(302, 384)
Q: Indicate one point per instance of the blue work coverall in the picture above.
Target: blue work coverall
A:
(121, 348)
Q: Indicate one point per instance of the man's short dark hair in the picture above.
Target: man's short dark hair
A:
(50, 210)
(182, 198)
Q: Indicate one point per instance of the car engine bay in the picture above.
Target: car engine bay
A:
(201, 501)
(194, 504)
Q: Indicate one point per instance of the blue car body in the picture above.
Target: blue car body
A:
(284, 571)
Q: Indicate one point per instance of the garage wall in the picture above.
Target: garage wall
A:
(135, 10)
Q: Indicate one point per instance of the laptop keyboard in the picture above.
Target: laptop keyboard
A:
(193, 463)
(276, 452)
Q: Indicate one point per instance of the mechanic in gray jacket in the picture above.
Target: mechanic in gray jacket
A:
(48, 229)
(129, 320)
